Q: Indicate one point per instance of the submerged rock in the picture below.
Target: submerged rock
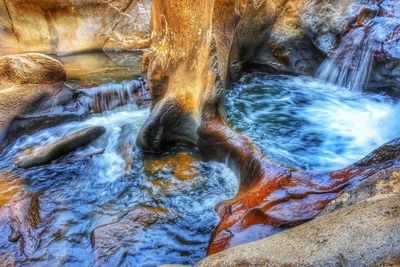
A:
(44, 155)
(109, 238)
(18, 223)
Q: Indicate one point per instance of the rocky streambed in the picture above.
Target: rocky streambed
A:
(272, 120)
(78, 192)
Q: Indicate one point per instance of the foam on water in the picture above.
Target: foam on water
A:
(307, 123)
(78, 196)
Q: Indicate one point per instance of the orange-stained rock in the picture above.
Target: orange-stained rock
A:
(196, 54)
(283, 199)
(65, 26)
(181, 165)
(11, 188)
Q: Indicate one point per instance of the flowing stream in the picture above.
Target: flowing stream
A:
(311, 124)
(300, 121)
(78, 195)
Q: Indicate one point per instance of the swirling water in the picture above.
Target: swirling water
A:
(308, 123)
(78, 194)
(300, 121)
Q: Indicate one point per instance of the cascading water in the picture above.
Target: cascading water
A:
(112, 95)
(86, 190)
(351, 63)
(296, 120)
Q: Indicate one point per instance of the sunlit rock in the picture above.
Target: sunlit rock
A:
(26, 79)
(286, 199)
(365, 233)
(30, 69)
(72, 26)
(188, 74)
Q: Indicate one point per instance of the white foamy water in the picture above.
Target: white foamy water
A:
(306, 123)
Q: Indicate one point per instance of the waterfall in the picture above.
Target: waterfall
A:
(351, 63)
(112, 95)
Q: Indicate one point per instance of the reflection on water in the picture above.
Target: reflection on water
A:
(306, 123)
(118, 207)
(94, 69)
(125, 208)
(79, 196)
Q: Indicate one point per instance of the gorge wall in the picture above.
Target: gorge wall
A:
(73, 26)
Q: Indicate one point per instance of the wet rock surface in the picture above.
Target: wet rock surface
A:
(272, 198)
(344, 237)
(30, 68)
(18, 222)
(44, 155)
(108, 238)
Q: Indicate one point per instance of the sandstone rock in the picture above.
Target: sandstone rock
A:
(71, 26)
(25, 79)
(109, 238)
(30, 68)
(44, 155)
(385, 182)
(364, 234)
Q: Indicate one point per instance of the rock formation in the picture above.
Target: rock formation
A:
(362, 230)
(107, 239)
(25, 79)
(46, 154)
(73, 26)
(195, 56)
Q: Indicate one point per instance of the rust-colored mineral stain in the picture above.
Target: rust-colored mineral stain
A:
(181, 165)
(11, 188)
(271, 198)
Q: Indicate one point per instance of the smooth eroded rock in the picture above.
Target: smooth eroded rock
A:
(46, 154)
(31, 68)
(364, 234)
(24, 80)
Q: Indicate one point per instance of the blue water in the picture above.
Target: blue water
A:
(307, 123)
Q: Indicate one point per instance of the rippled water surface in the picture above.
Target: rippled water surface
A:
(78, 194)
(307, 123)
(108, 210)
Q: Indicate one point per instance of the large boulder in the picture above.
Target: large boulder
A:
(71, 26)
(30, 68)
(365, 234)
(24, 80)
